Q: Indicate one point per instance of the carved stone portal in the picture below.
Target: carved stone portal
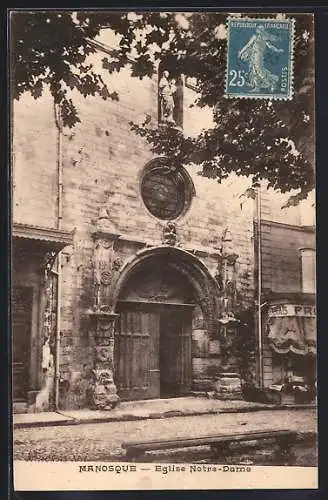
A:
(103, 394)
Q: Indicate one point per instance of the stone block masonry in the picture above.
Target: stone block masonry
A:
(34, 162)
(102, 165)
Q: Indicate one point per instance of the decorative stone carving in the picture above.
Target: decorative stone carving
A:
(43, 397)
(103, 394)
(47, 263)
(228, 387)
(102, 377)
(228, 384)
(103, 353)
(226, 247)
(117, 263)
(47, 357)
(106, 277)
(106, 264)
(104, 223)
(156, 290)
(231, 259)
(169, 234)
(226, 273)
(103, 214)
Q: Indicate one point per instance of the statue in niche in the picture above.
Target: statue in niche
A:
(167, 90)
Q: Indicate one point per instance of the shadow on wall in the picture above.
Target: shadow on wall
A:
(73, 392)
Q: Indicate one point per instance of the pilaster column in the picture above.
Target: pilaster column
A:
(228, 383)
(103, 394)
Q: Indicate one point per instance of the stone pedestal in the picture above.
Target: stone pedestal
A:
(103, 394)
(228, 386)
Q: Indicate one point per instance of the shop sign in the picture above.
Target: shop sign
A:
(282, 310)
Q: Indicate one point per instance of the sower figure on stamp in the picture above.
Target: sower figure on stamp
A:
(167, 89)
(254, 51)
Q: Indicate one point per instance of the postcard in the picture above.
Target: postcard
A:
(163, 250)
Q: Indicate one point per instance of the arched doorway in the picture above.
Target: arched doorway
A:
(153, 335)
(155, 299)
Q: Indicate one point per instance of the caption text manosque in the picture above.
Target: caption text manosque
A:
(163, 469)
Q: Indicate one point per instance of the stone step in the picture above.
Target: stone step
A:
(20, 407)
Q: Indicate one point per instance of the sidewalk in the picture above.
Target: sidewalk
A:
(142, 410)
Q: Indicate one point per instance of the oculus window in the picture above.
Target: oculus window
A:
(166, 192)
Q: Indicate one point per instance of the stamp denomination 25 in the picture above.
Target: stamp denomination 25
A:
(260, 58)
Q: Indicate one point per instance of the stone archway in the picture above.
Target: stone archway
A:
(112, 336)
(198, 275)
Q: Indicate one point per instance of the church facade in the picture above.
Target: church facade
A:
(129, 276)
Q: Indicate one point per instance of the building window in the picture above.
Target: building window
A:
(166, 192)
(308, 270)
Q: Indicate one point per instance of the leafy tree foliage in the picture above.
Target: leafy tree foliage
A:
(271, 140)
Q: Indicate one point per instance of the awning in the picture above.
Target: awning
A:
(54, 238)
(292, 328)
(43, 244)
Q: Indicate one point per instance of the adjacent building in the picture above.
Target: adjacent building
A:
(289, 307)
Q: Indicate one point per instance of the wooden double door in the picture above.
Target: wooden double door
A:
(153, 351)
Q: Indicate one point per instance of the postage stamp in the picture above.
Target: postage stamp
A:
(260, 58)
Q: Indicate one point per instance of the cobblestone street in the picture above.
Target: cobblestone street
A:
(102, 441)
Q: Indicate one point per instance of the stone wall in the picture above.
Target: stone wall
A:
(34, 162)
(102, 162)
(281, 258)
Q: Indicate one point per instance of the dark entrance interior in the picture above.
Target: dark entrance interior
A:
(22, 299)
(175, 352)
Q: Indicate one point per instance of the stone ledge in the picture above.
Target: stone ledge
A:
(76, 417)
